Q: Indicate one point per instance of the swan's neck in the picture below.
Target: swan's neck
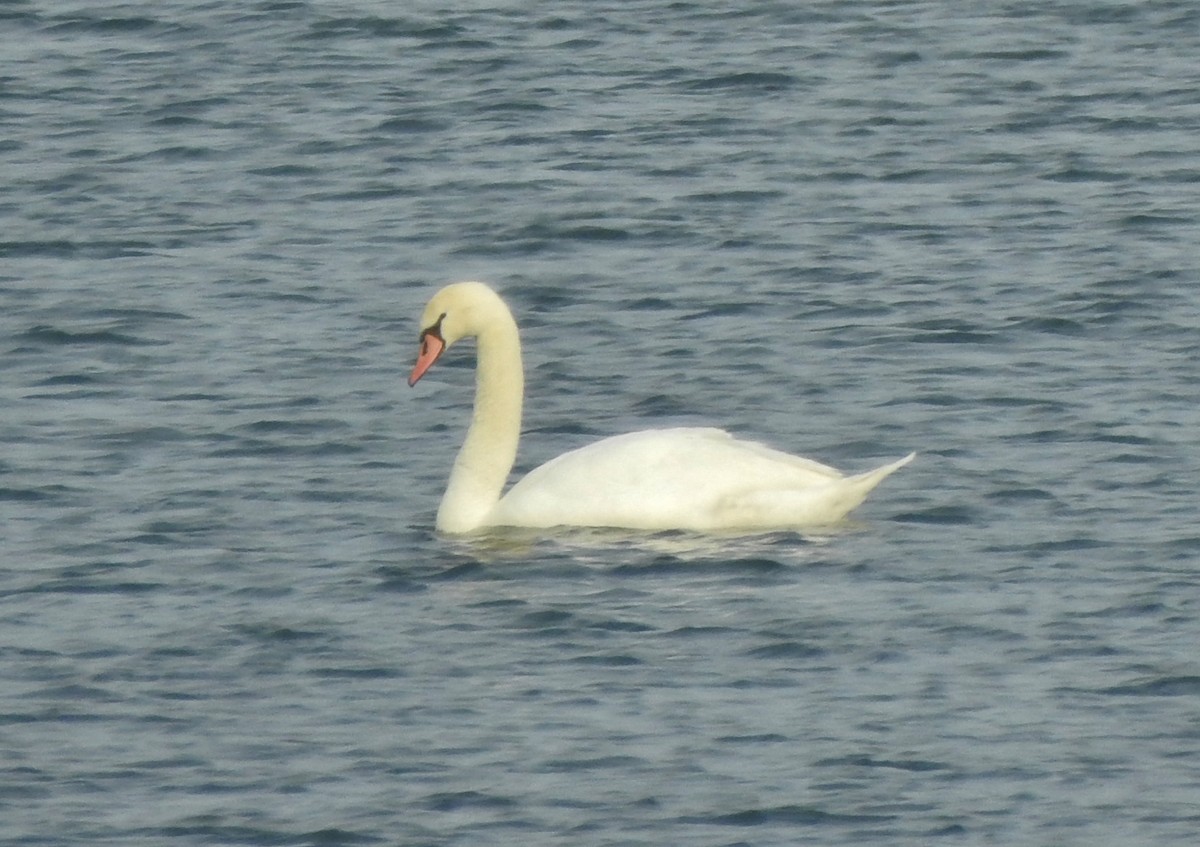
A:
(490, 448)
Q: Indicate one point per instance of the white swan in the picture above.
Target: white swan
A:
(693, 479)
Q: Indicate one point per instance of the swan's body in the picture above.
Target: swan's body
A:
(687, 478)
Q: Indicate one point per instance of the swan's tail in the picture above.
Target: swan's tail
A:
(879, 474)
(854, 489)
(814, 505)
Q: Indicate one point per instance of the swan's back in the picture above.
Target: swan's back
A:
(689, 478)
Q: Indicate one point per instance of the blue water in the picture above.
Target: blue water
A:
(850, 230)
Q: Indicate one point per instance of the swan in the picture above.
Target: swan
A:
(660, 479)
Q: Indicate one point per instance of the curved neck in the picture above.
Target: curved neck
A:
(490, 448)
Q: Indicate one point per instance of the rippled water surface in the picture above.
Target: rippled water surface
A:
(850, 230)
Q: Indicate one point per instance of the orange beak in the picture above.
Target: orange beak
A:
(432, 346)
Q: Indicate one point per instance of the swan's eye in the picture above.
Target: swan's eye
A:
(435, 330)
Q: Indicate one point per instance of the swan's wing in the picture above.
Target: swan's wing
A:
(690, 454)
(747, 450)
(670, 478)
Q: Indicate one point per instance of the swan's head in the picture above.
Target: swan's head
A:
(457, 311)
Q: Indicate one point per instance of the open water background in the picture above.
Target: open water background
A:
(849, 229)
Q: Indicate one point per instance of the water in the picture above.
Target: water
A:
(848, 229)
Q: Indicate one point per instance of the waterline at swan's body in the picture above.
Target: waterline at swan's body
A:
(684, 478)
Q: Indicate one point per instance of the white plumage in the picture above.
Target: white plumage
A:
(681, 478)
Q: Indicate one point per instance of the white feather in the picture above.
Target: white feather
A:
(683, 478)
